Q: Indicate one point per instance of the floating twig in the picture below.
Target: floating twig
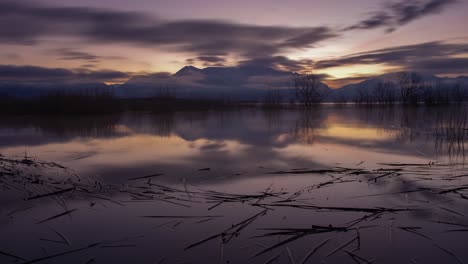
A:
(57, 216)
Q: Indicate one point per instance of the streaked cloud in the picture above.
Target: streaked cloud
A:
(202, 37)
(84, 41)
(34, 73)
(396, 14)
(429, 56)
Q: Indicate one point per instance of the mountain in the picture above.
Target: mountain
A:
(253, 83)
(187, 70)
(35, 89)
(247, 83)
(241, 83)
(367, 90)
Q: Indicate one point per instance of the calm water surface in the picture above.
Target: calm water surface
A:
(406, 159)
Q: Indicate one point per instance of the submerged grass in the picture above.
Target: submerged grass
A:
(16, 175)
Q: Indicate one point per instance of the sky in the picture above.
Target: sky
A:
(346, 41)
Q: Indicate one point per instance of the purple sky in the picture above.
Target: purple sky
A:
(347, 40)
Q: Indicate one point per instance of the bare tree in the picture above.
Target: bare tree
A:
(362, 96)
(272, 97)
(384, 92)
(308, 89)
(442, 94)
(429, 94)
(307, 124)
(409, 82)
(404, 80)
(459, 93)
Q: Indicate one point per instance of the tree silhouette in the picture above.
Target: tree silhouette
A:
(409, 82)
(307, 88)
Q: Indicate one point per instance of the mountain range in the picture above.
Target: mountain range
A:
(230, 83)
(245, 83)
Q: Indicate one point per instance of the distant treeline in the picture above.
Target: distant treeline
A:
(99, 101)
(408, 89)
(411, 89)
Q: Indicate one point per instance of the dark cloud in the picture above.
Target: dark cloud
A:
(402, 12)
(69, 54)
(87, 66)
(190, 61)
(380, 19)
(442, 65)
(34, 73)
(337, 83)
(89, 58)
(211, 41)
(207, 61)
(308, 39)
(279, 62)
(10, 72)
(211, 59)
(100, 75)
(203, 37)
(430, 56)
(407, 11)
(25, 22)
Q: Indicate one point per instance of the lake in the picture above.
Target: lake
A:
(335, 184)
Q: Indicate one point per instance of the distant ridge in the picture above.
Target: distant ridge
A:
(245, 82)
(187, 70)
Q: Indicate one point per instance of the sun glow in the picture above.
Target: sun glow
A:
(350, 71)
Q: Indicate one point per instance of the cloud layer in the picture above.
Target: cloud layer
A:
(400, 13)
(207, 38)
(41, 74)
(212, 42)
(436, 56)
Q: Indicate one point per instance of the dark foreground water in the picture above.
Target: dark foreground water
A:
(331, 185)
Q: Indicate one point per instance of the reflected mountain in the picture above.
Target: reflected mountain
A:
(427, 133)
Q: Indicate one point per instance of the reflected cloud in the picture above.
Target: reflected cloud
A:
(357, 133)
(247, 138)
(330, 155)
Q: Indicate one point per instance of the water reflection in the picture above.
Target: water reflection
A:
(307, 124)
(431, 133)
(232, 142)
(241, 149)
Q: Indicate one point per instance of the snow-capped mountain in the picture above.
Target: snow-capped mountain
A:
(368, 88)
(245, 83)
(232, 83)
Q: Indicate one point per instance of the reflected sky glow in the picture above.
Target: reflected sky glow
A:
(242, 149)
(247, 140)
